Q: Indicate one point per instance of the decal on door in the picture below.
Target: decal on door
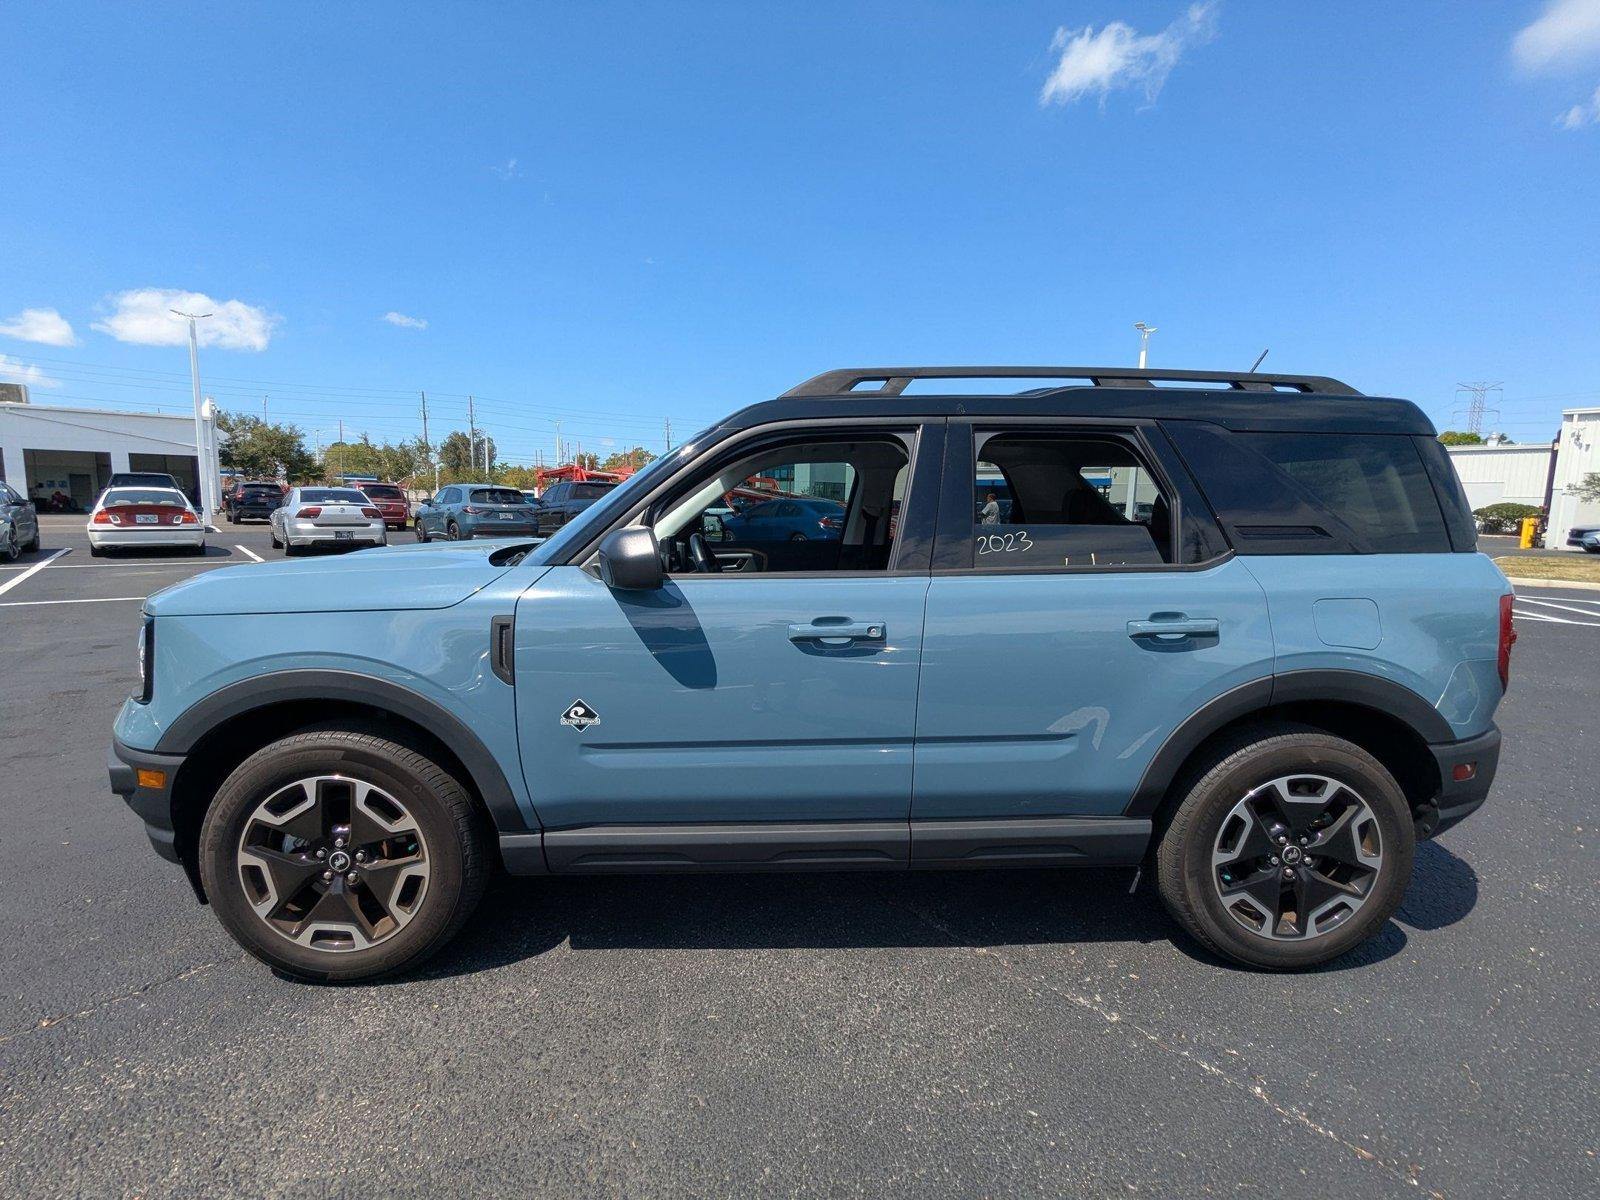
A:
(580, 716)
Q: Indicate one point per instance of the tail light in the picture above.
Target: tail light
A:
(104, 518)
(185, 518)
(1508, 638)
(371, 514)
(470, 510)
(308, 514)
(832, 522)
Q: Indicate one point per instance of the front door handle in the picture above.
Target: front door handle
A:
(1174, 628)
(838, 630)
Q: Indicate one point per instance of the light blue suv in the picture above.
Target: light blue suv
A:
(468, 510)
(1235, 635)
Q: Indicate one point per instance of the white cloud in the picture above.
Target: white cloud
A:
(1580, 115)
(1565, 34)
(13, 370)
(142, 316)
(405, 322)
(507, 170)
(1118, 56)
(43, 325)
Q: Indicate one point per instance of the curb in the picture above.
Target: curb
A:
(1582, 585)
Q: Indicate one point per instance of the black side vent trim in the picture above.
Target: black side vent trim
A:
(502, 652)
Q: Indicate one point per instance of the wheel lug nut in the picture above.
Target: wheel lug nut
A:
(361, 856)
(1288, 872)
(1274, 860)
(338, 843)
(326, 875)
(1305, 841)
(321, 853)
(350, 878)
(1283, 841)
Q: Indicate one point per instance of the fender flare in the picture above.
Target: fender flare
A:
(277, 687)
(1352, 687)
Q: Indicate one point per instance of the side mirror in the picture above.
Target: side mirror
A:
(421, 500)
(630, 560)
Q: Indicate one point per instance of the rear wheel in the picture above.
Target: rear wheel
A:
(338, 855)
(453, 531)
(1290, 847)
(290, 550)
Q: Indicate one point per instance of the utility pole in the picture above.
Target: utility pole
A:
(427, 446)
(263, 408)
(341, 448)
(1144, 341)
(206, 512)
(558, 443)
(668, 434)
(472, 435)
(1477, 402)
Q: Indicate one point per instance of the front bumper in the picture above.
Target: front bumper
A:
(133, 777)
(1458, 799)
(153, 535)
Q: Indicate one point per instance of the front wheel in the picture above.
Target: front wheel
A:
(337, 854)
(1289, 847)
(421, 532)
(10, 548)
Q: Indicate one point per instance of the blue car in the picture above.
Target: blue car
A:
(468, 510)
(787, 519)
(1235, 638)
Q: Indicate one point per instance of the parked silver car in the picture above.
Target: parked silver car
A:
(317, 516)
(19, 523)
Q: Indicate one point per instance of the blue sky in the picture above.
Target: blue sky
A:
(614, 215)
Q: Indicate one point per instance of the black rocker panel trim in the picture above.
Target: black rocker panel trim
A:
(830, 846)
(1352, 687)
(280, 686)
(1036, 842)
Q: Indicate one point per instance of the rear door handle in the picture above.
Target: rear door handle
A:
(1174, 628)
(838, 629)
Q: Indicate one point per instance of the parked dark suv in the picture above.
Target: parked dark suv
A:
(1234, 636)
(252, 501)
(563, 501)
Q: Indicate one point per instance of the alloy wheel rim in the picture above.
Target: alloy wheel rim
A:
(13, 547)
(333, 863)
(1297, 857)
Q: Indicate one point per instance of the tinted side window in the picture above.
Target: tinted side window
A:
(1375, 483)
(1314, 493)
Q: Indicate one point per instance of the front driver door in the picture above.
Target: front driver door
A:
(756, 717)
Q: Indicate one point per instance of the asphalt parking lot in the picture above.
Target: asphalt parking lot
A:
(1005, 1033)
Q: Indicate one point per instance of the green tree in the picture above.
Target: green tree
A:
(352, 458)
(258, 449)
(589, 462)
(1457, 437)
(1588, 488)
(628, 460)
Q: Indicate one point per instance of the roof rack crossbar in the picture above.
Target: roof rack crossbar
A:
(894, 380)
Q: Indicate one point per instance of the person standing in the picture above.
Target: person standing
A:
(990, 513)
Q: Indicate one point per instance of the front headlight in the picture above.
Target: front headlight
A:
(147, 660)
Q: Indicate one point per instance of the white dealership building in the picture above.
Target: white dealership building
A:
(46, 449)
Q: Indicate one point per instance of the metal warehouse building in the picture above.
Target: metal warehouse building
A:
(1503, 474)
(45, 449)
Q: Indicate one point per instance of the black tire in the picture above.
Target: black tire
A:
(1211, 788)
(290, 550)
(273, 533)
(453, 830)
(10, 548)
(33, 546)
(452, 531)
(422, 534)
(97, 552)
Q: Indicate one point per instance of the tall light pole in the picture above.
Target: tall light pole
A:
(199, 421)
(1144, 341)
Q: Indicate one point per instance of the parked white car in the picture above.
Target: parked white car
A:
(317, 516)
(133, 517)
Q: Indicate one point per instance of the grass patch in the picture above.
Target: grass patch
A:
(1578, 567)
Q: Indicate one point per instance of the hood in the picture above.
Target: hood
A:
(386, 578)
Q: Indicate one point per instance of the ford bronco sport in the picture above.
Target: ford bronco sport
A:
(1233, 632)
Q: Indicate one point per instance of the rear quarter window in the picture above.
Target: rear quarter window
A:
(1316, 493)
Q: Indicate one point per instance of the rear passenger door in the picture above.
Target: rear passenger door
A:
(1063, 645)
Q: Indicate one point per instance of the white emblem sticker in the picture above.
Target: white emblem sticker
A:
(580, 716)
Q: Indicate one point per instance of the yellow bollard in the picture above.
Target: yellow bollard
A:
(1530, 526)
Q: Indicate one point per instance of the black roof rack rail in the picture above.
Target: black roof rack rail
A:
(895, 380)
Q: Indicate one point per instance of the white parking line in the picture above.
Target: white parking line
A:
(246, 550)
(1546, 618)
(1586, 612)
(92, 600)
(33, 570)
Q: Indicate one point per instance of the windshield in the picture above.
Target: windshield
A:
(590, 491)
(497, 496)
(144, 496)
(331, 496)
(616, 499)
(384, 491)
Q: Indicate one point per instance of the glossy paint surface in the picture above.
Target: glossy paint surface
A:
(1037, 702)
(708, 710)
(1438, 620)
